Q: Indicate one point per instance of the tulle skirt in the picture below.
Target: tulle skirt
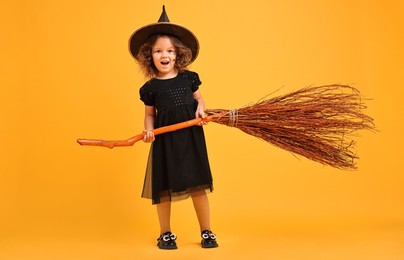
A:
(178, 163)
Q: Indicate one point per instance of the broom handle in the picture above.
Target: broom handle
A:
(161, 130)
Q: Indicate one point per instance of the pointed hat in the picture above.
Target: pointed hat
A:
(163, 26)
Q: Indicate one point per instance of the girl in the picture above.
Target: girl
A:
(178, 165)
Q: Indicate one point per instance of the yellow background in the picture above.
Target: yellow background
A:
(66, 73)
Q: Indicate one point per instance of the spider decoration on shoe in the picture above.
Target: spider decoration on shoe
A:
(167, 241)
(208, 239)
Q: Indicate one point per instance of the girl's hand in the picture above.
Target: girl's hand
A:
(200, 110)
(200, 113)
(149, 136)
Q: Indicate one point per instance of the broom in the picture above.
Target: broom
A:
(315, 122)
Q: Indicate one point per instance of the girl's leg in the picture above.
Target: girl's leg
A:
(201, 205)
(166, 239)
(164, 213)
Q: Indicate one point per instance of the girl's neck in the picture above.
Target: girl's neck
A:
(170, 75)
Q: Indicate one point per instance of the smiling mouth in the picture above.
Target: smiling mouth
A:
(165, 63)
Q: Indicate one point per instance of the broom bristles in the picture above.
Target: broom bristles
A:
(315, 122)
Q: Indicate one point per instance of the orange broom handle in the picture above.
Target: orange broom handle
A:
(161, 130)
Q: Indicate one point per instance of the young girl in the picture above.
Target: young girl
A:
(178, 165)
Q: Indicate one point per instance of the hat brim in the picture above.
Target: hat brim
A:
(140, 36)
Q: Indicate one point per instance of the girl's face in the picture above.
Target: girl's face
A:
(163, 53)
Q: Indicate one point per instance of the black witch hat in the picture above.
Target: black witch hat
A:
(163, 26)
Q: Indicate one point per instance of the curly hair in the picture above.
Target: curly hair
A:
(145, 59)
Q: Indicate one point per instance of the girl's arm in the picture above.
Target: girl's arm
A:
(200, 110)
(149, 115)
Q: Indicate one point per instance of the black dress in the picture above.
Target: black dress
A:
(178, 161)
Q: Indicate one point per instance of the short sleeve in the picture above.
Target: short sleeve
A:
(146, 95)
(195, 81)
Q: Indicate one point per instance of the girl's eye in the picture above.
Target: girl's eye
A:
(171, 51)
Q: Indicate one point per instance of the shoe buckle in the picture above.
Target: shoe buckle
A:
(209, 235)
(169, 237)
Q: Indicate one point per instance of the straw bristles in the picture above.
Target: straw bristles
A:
(315, 122)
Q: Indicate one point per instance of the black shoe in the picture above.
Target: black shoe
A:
(208, 239)
(167, 241)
